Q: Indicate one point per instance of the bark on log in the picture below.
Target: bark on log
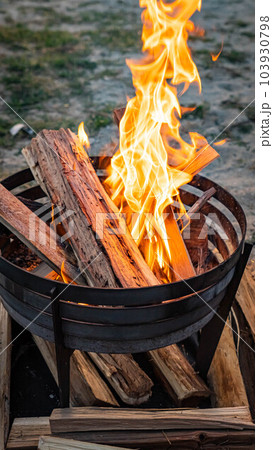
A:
(178, 376)
(63, 169)
(5, 368)
(87, 387)
(95, 419)
(125, 376)
(225, 375)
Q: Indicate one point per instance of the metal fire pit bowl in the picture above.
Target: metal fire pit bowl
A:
(137, 319)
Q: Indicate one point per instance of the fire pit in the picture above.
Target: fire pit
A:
(137, 319)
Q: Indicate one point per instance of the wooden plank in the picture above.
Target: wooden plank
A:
(246, 296)
(246, 357)
(87, 387)
(225, 375)
(25, 432)
(5, 368)
(95, 419)
(178, 376)
(25, 435)
(55, 443)
(120, 371)
(169, 439)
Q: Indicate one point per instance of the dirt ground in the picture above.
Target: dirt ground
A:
(63, 62)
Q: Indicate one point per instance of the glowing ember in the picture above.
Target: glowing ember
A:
(83, 138)
(153, 160)
(214, 57)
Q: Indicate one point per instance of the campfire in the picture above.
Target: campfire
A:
(140, 257)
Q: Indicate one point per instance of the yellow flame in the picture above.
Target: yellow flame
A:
(147, 170)
(83, 138)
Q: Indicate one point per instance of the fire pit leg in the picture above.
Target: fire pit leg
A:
(211, 333)
(63, 354)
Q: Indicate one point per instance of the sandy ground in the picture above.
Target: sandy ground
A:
(63, 62)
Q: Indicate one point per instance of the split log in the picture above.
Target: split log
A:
(246, 296)
(87, 387)
(36, 234)
(55, 443)
(25, 433)
(182, 267)
(225, 375)
(5, 368)
(63, 169)
(88, 419)
(246, 357)
(196, 240)
(171, 439)
(178, 377)
(125, 376)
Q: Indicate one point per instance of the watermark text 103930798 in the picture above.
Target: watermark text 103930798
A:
(264, 79)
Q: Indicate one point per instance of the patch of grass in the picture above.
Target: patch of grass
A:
(115, 38)
(6, 140)
(234, 56)
(19, 36)
(250, 113)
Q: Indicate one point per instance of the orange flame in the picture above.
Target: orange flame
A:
(153, 160)
(83, 138)
(214, 57)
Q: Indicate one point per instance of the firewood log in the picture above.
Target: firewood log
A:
(125, 376)
(95, 419)
(107, 254)
(225, 375)
(56, 443)
(36, 234)
(25, 434)
(5, 368)
(87, 387)
(246, 296)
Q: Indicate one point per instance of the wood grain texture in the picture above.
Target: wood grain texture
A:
(35, 234)
(95, 419)
(55, 443)
(178, 376)
(246, 295)
(86, 385)
(125, 376)
(225, 375)
(5, 372)
(169, 439)
(25, 432)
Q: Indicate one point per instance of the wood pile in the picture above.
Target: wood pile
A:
(102, 383)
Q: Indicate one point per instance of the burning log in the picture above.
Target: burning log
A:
(125, 376)
(36, 234)
(107, 254)
(5, 367)
(87, 387)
